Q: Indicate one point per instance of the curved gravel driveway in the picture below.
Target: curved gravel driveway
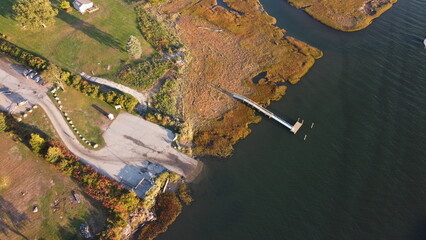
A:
(130, 140)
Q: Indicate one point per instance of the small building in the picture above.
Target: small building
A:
(82, 5)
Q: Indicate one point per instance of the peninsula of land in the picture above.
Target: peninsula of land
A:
(234, 45)
(350, 15)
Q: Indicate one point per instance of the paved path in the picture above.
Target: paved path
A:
(139, 96)
(130, 140)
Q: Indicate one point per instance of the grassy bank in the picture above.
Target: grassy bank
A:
(77, 42)
(89, 114)
(39, 120)
(349, 15)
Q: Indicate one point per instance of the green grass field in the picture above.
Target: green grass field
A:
(87, 114)
(80, 43)
(39, 120)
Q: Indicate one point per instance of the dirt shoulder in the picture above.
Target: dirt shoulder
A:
(348, 15)
(230, 45)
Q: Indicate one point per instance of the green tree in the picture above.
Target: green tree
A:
(110, 96)
(37, 143)
(64, 4)
(76, 81)
(52, 73)
(53, 154)
(130, 103)
(133, 47)
(3, 124)
(34, 14)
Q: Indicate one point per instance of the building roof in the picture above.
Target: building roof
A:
(84, 1)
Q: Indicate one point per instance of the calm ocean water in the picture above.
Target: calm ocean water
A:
(361, 173)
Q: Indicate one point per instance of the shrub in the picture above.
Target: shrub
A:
(155, 33)
(164, 100)
(22, 56)
(185, 194)
(37, 143)
(64, 5)
(133, 47)
(53, 154)
(52, 73)
(3, 124)
(110, 97)
(4, 182)
(142, 75)
(152, 193)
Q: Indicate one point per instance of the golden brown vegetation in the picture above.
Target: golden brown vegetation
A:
(167, 210)
(348, 15)
(185, 194)
(229, 48)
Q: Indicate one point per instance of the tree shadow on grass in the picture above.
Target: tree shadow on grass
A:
(6, 8)
(90, 30)
(11, 220)
(103, 112)
(72, 230)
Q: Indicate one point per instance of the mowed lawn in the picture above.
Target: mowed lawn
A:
(88, 114)
(39, 121)
(29, 181)
(80, 43)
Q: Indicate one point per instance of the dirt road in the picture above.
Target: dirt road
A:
(139, 96)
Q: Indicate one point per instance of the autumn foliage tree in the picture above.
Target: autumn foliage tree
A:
(53, 154)
(37, 143)
(34, 14)
(64, 4)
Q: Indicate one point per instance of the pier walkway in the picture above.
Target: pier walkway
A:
(293, 128)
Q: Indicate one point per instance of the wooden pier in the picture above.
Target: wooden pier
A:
(293, 128)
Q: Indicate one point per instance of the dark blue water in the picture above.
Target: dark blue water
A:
(361, 173)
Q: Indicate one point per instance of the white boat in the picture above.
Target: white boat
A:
(424, 42)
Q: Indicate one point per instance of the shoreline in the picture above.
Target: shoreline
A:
(245, 43)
